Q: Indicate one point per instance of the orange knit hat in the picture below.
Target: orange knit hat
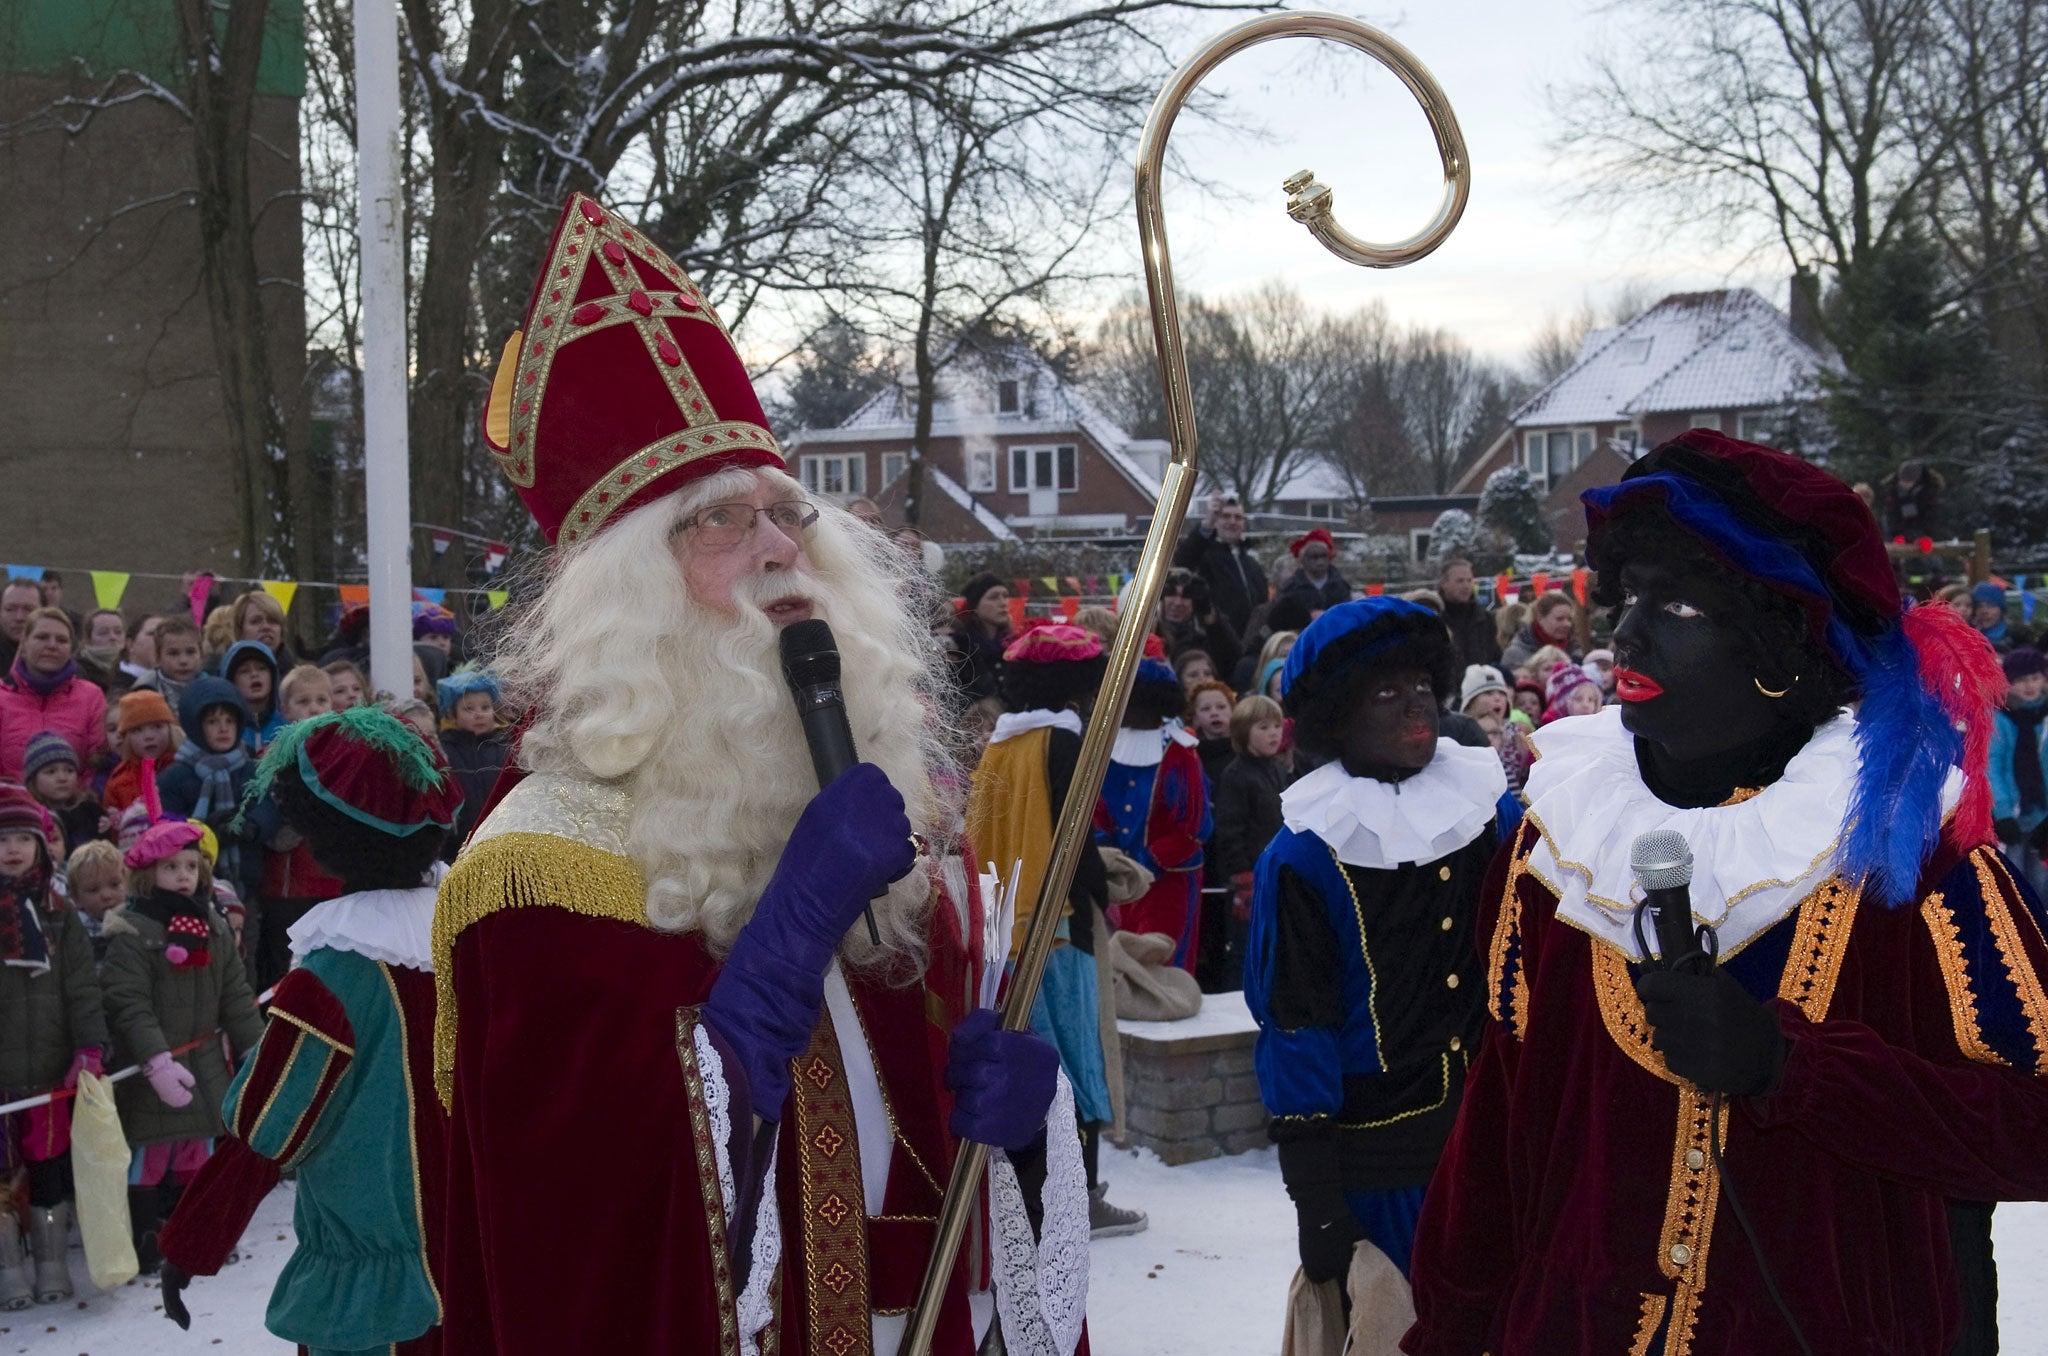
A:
(144, 707)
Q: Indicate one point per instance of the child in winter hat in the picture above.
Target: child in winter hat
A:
(50, 769)
(174, 985)
(145, 736)
(47, 980)
(476, 742)
(1571, 692)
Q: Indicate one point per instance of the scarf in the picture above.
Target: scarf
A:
(185, 924)
(22, 942)
(2026, 756)
(216, 772)
(42, 684)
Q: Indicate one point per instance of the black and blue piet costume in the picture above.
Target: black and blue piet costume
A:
(1361, 968)
(1878, 1026)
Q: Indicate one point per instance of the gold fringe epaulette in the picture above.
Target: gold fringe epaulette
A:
(514, 871)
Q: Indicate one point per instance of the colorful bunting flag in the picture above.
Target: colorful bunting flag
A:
(434, 596)
(1375, 590)
(108, 586)
(1579, 578)
(1068, 607)
(1052, 585)
(494, 556)
(281, 589)
(1016, 614)
(30, 572)
(1501, 584)
(354, 595)
(498, 597)
(201, 586)
(1539, 584)
(441, 537)
(1020, 588)
(1094, 584)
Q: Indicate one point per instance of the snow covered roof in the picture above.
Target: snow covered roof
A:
(1314, 480)
(966, 407)
(1728, 349)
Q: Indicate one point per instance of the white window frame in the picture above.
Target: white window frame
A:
(817, 468)
(1030, 453)
(894, 464)
(1628, 435)
(1014, 389)
(1756, 425)
(1710, 420)
(1418, 545)
(981, 470)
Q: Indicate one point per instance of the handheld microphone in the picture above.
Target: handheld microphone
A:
(810, 665)
(1663, 867)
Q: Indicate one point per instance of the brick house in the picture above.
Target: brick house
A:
(1726, 360)
(1015, 452)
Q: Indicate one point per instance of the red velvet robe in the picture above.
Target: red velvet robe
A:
(584, 1210)
(1577, 1208)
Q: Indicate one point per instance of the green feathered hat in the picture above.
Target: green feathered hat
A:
(368, 764)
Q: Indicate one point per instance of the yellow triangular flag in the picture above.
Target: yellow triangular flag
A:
(1052, 585)
(280, 589)
(497, 597)
(108, 586)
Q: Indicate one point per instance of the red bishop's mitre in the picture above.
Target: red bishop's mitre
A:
(624, 385)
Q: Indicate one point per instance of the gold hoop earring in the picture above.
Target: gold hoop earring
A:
(1780, 692)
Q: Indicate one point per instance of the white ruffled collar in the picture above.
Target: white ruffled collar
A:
(1753, 862)
(1013, 723)
(1379, 825)
(1147, 748)
(392, 926)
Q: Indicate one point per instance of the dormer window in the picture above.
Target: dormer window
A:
(1006, 397)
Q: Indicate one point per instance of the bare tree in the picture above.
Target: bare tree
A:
(1442, 388)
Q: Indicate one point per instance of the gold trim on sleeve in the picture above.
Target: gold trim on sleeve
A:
(1819, 942)
(412, 1135)
(1955, 976)
(1646, 1330)
(2019, 967)
(1505, 928)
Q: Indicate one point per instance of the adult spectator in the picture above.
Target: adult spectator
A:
(258, 616)
(1216, 551)
(983, 629)
(53, 596)
(1553, 620)
(1317, 580)
(17, 600)
(1190, 620)
(42, 691)
(1471, 625)
(868, 511)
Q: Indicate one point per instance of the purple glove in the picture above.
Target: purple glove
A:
(852, 840)
(172, 1080)
(1002, 1081)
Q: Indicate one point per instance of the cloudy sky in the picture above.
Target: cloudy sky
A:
(1524, 249)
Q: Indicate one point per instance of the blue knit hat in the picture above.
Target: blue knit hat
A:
(1356, 630)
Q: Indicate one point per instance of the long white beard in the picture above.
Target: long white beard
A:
(637, 683)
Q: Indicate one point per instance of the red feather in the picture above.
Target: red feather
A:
(151, 801)
(1962, 671)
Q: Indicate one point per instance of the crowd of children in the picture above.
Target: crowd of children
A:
(147, 898)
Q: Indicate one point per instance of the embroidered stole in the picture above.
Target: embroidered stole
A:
(834, 1224)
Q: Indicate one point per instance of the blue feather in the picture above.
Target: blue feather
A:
(1907, 746)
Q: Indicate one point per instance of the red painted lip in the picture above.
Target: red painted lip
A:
(786, 611)
(1631, 686)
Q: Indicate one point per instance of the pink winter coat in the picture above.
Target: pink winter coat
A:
(77, 710)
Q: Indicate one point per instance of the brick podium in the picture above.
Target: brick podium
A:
(1189, 1089)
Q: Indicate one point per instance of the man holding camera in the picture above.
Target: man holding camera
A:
(1218, 553)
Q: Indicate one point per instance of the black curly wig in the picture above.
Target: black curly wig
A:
(1052, 687)
(1782, 650)
(1154, 701)
(364, 858)
(1323, 697)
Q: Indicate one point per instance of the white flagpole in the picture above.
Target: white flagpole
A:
(385, 456)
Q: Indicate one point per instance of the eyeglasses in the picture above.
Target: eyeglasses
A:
(720, 527)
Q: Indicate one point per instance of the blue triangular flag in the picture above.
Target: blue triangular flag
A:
(24, 572)
(433, 596)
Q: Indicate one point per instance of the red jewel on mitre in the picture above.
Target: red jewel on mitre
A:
(622, 387)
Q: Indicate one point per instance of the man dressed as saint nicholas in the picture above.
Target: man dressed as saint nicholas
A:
(695, 1108)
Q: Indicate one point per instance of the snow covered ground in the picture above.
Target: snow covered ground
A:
(1209, 1276)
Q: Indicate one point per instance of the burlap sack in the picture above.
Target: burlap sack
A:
(1382, 1309)
(1149, 988)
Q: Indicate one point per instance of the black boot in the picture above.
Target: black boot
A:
(144, 1219)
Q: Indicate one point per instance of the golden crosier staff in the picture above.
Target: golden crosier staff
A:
(1309, 204)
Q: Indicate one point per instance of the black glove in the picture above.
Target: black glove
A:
(1711, 1032)
(2008, 831)
(1326, 1227)
(1196, 591)
(173, 1280)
